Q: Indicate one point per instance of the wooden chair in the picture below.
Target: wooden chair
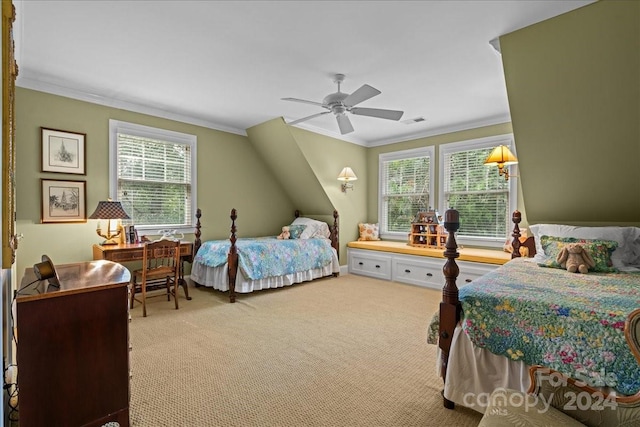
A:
(160, 264)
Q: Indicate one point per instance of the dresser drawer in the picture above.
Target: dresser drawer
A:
(421, 272)
(368, 264)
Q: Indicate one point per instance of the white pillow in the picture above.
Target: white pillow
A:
(633, 256)
(314, 228)
(623, 255)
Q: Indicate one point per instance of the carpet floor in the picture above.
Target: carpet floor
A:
(347, 351)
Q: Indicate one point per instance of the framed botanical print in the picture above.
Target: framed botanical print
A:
(63, 201)
(63, 152)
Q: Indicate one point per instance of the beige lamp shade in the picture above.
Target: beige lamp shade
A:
(501, 156)
(347, 175)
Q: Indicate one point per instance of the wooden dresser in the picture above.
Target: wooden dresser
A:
(73, 347)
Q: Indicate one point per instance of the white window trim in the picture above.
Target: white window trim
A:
(398, 155)
(115, 127)
(492, 141)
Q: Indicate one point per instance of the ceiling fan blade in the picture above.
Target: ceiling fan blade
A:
(377, 112)
(365, 92)
(308, 117)
(344, 124)
(319, 104)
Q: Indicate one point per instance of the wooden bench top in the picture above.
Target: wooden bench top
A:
(487, 256)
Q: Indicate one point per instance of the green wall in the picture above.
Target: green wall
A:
(573, 83)
(306, 165)
(230, 175)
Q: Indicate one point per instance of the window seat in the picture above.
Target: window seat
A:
(399, 262)
(486, 256)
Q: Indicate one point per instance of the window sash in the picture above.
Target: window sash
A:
(406, 185)
(482, 197)
(153, 176)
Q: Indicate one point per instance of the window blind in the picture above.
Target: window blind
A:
(477, 192)
(405, 191)
(154, 180)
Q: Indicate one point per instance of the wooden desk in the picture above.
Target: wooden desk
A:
(133, 252)
(73, 346)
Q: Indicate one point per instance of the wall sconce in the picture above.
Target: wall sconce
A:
(501, 156)
(109, 210)
(347, 176)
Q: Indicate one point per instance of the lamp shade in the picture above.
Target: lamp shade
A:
(109, 210)
(347, 175)
(501, 155)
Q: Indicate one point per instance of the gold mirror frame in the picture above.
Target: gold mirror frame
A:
(9, 74)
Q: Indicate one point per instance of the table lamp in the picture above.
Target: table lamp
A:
(109, 210)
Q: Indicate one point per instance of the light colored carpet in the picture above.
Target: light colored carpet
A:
(347, 351)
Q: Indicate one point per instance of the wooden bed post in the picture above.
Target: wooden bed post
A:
(232, 258)
(516, 218)
(197, 243)
(335, 233)
(450, 307)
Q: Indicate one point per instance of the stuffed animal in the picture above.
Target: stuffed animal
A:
(575, 258)
(285, 233)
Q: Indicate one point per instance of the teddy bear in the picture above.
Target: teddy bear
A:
(575, 258)
(285, 233)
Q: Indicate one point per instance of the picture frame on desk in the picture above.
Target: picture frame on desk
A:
(63, 201)
(63, 151)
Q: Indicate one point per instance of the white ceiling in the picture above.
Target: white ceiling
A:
(227, 64)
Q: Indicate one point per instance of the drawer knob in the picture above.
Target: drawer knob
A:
(407, 271)
(468, 280)
(360, 263)
(377, 266)
(429, 274)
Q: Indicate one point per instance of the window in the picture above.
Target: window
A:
(406, 185)
(484, 199)
(152, 173)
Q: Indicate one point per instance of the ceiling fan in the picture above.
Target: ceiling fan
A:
(340, 103)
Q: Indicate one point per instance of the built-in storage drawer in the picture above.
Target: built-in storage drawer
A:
(415, 271)
(470, 271)
(369, 264)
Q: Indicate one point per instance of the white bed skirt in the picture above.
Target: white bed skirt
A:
(217, 278)
(473, 373)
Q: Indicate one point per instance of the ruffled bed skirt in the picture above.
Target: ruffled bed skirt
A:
(217, 278)
(473, 373)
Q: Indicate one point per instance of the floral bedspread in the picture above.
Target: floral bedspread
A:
(570, 322)
(263, 257)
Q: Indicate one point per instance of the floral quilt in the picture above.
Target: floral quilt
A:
(263, 257)
(570, 322)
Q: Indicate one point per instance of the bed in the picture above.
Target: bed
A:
(532, 312)
(243, 265)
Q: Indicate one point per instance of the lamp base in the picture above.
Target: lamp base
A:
(110, 242)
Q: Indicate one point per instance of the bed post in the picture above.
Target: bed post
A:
(335, 233)
(197, 243)
(515, 244)
(232, 258)
(450, 307)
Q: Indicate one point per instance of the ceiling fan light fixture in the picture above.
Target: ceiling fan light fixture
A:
(340, 103)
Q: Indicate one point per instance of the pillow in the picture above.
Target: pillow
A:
(314, 228)
(368, 231)
(296, 230)
(634, 247)
(623, 255)
(600, 251)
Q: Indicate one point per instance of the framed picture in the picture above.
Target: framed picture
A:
(63, 152)
(63, 201)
